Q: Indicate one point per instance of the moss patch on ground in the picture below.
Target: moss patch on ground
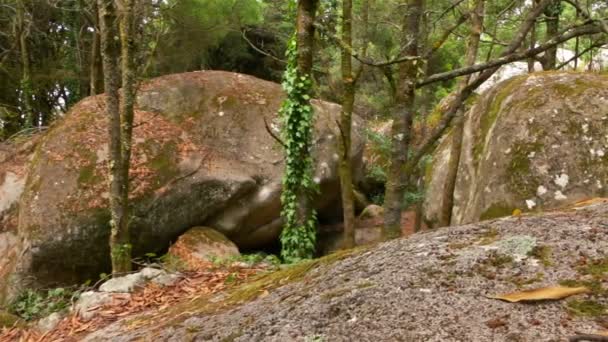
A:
(496, 210)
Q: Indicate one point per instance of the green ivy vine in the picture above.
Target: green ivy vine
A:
(298, 238)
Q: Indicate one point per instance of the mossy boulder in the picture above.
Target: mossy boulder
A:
(533, 142)
(201, 157)
(201, 245)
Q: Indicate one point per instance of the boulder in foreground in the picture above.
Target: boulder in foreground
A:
(432, 286)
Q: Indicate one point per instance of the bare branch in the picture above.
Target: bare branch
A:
(591, 47)
(446, 34)
(274, 136)
(585, 13)
(349, 49)
(253, 46)
(573, 33)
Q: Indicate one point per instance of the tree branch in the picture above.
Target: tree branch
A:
(587, 15)
(253, 46)
(580, 53)
(576, 32)
(274, 136)
(446, 34)
(349, 49)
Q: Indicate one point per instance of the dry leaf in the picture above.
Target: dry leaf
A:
(545, 293)
(595, 200)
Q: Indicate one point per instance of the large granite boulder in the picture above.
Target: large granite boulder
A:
(534, 142)
(201, 157)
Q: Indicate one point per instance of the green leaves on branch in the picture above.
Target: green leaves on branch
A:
(298, 237)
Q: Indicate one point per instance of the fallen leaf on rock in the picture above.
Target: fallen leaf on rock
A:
(545, 293)
(596, 200)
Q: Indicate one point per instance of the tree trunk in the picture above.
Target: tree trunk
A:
(120, 250)
(532, 60)
(95, 67)
(26, 73)
(348, 100)
(305, 33)
(457, 131)
(403, 114)
(552, 13)
(121, 238)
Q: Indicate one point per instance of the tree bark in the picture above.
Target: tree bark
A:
(95, 65)
(127, 48)
(118, 183)
(26, 73)
(458, 129)
(348, 100)
(305, 32)
(403, 114)
(552, 13)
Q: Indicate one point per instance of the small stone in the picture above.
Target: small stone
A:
(49, 323)
(150, 272)
(371, 211)
(89, 302)
(125, 284)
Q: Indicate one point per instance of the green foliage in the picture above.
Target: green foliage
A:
(250, 259)
(298, 237)
(33, 304)
(377, 171)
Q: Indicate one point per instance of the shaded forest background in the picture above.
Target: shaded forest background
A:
(50, 56)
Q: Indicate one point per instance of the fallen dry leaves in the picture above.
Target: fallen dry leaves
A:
(152, 297)
(545, 293)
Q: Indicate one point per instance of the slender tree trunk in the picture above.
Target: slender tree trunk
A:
(120, 250)
(576, 44)
(403, 114)
(121, 237)
(348, 100)
(532, 60)
(305, 33)
(552, 13)
(95, 65)
(457, 131)
(26, 73)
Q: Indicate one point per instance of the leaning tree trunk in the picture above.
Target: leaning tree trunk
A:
(118, 183)
(348, 100)
(26, 73)
(457, 131)
(403, 114)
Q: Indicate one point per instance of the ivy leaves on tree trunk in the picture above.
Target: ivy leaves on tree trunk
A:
(298, 238)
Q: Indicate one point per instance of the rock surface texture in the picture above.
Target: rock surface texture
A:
(201, 156)
(532, 142)
(430, 287)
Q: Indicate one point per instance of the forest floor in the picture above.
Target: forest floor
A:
(433, 286)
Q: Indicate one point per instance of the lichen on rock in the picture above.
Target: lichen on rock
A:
(532, 143)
